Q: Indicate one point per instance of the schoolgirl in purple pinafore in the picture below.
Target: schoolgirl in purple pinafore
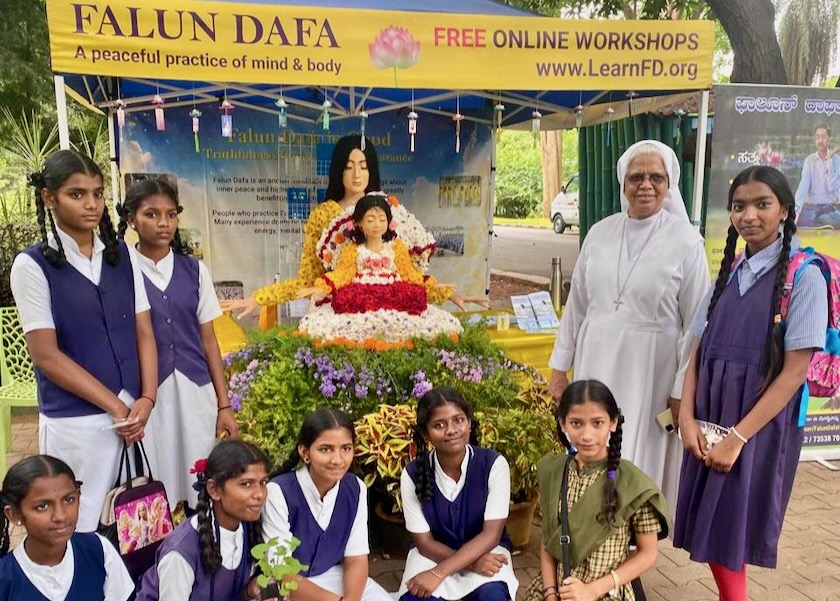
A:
(321, 549)
(89, 573)
(732, 519)
(223, 585)
(454, 523)
(192, 394)
(184, 427)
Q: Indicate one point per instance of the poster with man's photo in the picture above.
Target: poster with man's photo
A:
(797, 131)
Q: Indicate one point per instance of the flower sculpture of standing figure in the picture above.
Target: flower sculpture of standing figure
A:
(395, 48)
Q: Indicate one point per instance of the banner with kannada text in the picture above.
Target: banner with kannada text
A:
(788, 128)
(310, 45)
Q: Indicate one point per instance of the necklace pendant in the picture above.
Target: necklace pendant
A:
(618, 302)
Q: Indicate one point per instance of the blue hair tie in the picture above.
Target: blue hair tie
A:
(611, 473)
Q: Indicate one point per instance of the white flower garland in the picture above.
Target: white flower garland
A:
(386, 324)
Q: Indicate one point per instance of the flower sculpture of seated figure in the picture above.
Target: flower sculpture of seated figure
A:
(375, 291)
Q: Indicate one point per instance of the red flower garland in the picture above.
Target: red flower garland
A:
(399, 296)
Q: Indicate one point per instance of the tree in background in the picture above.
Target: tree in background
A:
(808, 34)
(25, 78)
(749, 24)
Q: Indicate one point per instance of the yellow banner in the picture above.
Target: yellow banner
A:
(267, 43)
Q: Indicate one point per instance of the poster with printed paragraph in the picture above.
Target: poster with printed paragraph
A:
(246, 198)
(789, 128)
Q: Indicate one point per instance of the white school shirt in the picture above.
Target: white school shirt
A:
(160, 274)
(498, 491)
(32, 292)
(54, 582)
(175, 576)
(275, 517)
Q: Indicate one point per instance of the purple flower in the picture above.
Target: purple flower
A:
(327, 389)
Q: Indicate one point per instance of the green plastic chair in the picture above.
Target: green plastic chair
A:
(18, 387)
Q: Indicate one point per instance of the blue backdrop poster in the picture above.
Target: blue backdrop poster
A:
(246, 197)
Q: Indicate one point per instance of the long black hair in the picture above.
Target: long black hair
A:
(17, 483)
(134, 197)
(338, 162)
(593, 391)
(436, 397)
(365, 204)
(315, 424)
(775, 349)
(228, 459)
(60, 167)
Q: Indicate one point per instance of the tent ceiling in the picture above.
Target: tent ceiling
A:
(305, 102)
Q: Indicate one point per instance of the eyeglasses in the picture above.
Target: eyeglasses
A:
(657, 179)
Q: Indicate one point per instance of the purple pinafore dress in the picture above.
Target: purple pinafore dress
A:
(736, 518)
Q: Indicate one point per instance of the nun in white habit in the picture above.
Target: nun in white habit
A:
(638, 281)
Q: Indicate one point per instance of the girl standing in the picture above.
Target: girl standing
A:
(456, 501)
(193, 405)
(609, 501)
(208, 557)
(747, 374)
(84, 310)
(53, 561)
(324, 505)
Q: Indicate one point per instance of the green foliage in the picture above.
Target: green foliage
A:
(523, 435)
(275, 383)
(14, 237)
(630, 9)
(25, 78)
(519, 184)
(384, 446)
(276, 564)
(29, 140)
(808, 34)
(518, 175)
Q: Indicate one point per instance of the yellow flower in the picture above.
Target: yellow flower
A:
(310, 268)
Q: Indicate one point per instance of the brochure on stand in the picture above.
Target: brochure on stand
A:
(534, 312)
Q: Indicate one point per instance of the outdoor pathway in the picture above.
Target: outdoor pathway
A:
(809, 560)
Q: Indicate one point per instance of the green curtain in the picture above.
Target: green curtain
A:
(600, 146)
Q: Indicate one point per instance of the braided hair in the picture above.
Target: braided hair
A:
(60, 167)
(370, 201)
(433, 399)
(228, 459)
(593, 391)
(16, 486)
(778, 184)
(134, 197)
(338, 162)
(315, 424)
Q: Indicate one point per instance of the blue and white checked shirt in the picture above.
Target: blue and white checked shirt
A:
(807, 315)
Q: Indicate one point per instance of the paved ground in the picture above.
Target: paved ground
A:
(529, 250)
(809, 563)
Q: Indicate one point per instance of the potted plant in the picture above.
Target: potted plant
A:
(523, 436)
(384, 446)
(276, 564)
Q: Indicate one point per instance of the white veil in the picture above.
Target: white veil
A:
(673, 199)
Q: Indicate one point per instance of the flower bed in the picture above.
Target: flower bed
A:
(283, 375)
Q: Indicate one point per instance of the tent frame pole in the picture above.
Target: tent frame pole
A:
(112, 155)
(61, 113)
(700, 161)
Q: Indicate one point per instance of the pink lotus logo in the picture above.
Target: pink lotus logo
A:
(394, 48)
